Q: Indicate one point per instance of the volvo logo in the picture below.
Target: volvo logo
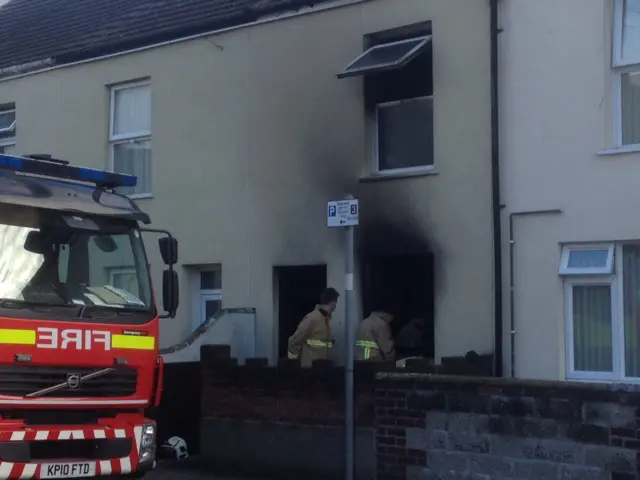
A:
(73, 381)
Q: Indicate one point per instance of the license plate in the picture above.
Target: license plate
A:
(68, 470)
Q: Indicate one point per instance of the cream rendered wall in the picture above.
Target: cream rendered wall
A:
(253, 134)
(556, 115)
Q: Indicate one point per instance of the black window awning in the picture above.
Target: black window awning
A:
(386, 56)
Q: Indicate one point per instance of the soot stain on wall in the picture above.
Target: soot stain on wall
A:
(391, 223)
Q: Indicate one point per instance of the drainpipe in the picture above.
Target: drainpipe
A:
(495, 189)
(512, 302)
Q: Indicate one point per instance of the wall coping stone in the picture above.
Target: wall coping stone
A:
(429, 378)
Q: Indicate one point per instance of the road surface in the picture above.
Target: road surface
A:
(173, 471)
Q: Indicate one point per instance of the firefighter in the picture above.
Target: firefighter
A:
(373, 339)
(312, 340)
(410, 337)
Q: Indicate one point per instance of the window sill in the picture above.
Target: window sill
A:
(139, 196)
(586, 379)
(620, 150)
(380, 177)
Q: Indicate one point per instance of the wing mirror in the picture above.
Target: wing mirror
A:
(168, 249)
(170, 292)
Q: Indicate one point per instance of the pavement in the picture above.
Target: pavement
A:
(164, 474)
(176, 471)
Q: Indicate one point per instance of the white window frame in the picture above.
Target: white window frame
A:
(119, 139)
(616, 281)
(617, 329)
(618, 24)
(620, 66)
(8, 141)
(376, 143)
(201, 296)
(564, 268)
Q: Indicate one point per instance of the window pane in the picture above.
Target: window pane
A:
(588, 258)
(132, 110)
(211, 280)
(8, 150)
(630, 92)
(592, 330)
(631, 299)
(7, 119)
(631, 29)
(385, 54)
(134, 158)
(405, 135)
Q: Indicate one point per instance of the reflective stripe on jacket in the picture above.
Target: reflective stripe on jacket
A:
(367, 346)
(312, 340)
(373, 339)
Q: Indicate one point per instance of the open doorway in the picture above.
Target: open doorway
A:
(298, 289)
(404, 283)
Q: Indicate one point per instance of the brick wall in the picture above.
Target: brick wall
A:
(283, 394)
(291, 394)
(282, 421)
(445, 427)
(287, 421)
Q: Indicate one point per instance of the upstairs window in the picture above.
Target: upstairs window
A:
(398, 85)
(626, 65)
(130, 135)
(7, 127)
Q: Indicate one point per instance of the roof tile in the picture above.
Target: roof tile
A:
(63, 31)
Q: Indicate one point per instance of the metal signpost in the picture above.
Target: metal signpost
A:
(345, 213)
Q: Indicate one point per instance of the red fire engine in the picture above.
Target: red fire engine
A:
(79, 357)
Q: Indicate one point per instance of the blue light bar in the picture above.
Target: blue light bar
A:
(60, 169)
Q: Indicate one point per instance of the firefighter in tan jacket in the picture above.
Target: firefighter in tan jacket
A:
(373, 339)
(312, 340)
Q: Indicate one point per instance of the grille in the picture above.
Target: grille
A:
(21, 380)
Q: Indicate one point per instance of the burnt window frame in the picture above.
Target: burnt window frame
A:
(388, 85)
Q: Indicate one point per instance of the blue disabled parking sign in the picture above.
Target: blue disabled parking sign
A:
(342, 213)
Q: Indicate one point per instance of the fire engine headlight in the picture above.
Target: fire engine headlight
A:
(148, 442)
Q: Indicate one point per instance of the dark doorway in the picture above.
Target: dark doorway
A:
(298, 290)
(404, 284)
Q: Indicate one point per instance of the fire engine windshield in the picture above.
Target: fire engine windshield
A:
(54, 258)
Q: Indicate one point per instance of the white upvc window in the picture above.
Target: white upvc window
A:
(626, 69)
(130, 135)
(602, 312)
(208, 294)
(404, 136)
(7, 127)
(398, 87)
(587, 260)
